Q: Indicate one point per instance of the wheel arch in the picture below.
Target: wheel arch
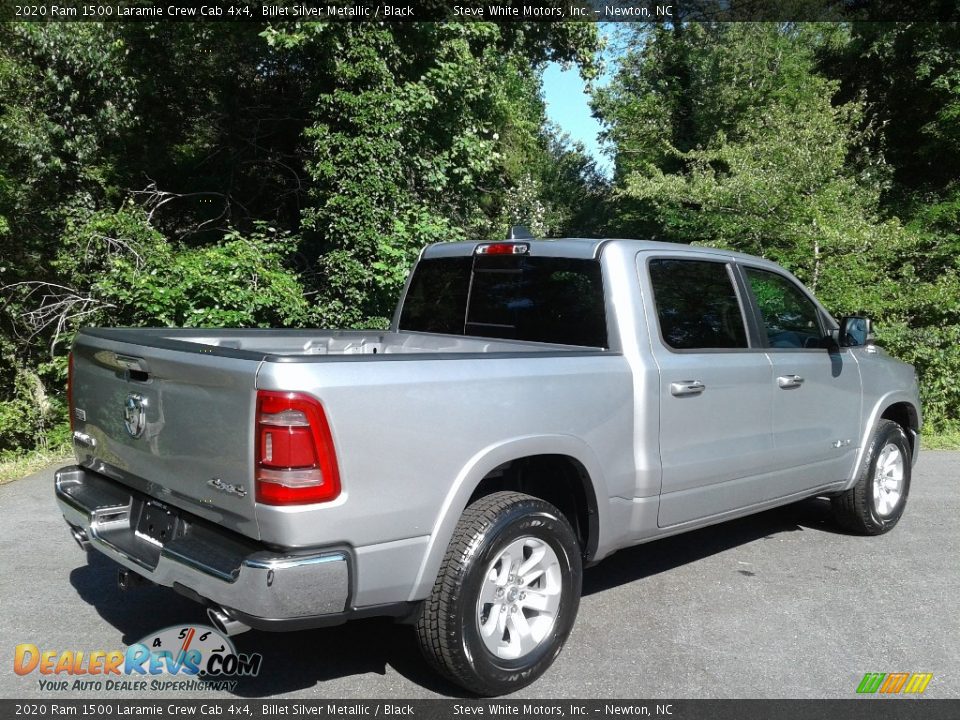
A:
(900, 408)
(906, 415)
(521, 464)
(561, 480)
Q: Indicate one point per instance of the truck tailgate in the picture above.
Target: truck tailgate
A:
(176, 425)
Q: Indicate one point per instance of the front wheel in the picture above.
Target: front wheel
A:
(877, 499)
(506, 596)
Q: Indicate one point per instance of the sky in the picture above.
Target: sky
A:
(568, 107)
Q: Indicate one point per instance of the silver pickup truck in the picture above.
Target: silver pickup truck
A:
(535, 406)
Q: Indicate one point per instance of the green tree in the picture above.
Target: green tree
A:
(64, 101)
(429, 132)
(764, 161)
(908, 74)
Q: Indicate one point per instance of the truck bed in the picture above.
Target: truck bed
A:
(309, 345)
(412, 409)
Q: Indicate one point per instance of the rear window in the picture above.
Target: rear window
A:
(697, 305)
(515, 297)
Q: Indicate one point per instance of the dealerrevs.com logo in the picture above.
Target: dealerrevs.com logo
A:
(894, 683)
(181, 657)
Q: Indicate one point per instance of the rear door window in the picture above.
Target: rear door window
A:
(697, 305)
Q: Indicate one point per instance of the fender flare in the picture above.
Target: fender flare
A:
(885, 401)
(476, 469)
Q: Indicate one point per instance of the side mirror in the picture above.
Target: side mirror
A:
(855, 331)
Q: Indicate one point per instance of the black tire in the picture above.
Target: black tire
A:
(856, 510)
(449, 623)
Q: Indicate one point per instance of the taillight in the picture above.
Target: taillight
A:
(70, 388)
(295, 459)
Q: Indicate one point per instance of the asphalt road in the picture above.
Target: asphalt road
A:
(778, 605)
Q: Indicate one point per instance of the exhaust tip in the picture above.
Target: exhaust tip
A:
(224, 623)
(80, 536)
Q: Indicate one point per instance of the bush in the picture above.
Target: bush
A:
(31, 418)
(139, 279)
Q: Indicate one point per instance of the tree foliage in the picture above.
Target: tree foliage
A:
(427, 133)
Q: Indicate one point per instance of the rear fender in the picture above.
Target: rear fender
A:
(478, 467)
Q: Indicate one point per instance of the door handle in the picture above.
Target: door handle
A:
(789, 381)
(687, 387)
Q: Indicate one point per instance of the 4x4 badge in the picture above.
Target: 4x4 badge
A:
(220, 485)
(135, 414)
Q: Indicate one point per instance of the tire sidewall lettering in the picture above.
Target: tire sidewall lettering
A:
(519, 522)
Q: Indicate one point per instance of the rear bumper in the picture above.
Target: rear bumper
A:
(203, 560)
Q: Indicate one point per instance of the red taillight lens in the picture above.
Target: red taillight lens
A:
(70, 388)
(295, 459)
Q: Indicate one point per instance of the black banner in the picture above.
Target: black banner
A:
(855, 709)
(651, 11)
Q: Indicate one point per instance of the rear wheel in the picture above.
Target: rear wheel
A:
(506, 596)
(877, 500)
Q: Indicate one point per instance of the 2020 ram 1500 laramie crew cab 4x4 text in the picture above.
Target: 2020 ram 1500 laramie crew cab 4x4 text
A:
(535, 406)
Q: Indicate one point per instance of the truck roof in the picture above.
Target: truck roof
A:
(579, 248)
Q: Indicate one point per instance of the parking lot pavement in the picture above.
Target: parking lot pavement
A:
(776, 605)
